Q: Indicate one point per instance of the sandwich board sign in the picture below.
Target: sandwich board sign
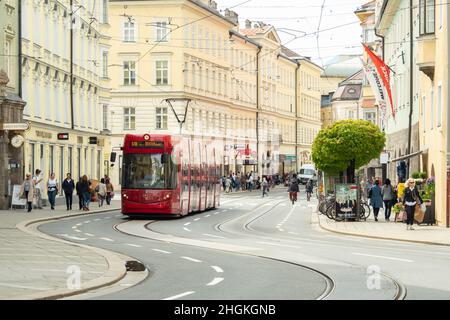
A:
(16, 201)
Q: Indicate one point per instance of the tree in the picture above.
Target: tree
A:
(336, 146)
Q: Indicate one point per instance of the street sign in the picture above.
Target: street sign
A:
(63, 136)
(92, 140)
(384, 158)
(14, 126)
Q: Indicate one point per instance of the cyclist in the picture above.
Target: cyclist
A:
(293, 189)
(309, 188)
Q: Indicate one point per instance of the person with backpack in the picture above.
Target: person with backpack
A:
(293, 189)
(388, 195)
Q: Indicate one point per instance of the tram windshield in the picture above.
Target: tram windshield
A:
(147, 171)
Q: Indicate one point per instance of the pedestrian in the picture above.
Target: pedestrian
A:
(376, 199)
(369, 186)
(52, 190)
(101, 192)
(410, 199)
(224, 183)
(243, 182)
(388, 195)
(37, 179)
(68, 186)
(86, 192)
(228, 185)
(27, 191)
(80, 193)
(309, 189)
(265, 187)
(250, 182)
(293, 189)
(109, 191)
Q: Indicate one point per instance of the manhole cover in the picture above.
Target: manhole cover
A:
(134, 266)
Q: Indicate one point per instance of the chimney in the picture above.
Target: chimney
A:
(248, 24)
(231, 15)
(213, 4)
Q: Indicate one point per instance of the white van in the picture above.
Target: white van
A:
(307, 171)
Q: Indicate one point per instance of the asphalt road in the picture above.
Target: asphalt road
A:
(261, 248)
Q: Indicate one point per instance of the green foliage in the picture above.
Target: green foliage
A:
(419, 175)
(338, 144)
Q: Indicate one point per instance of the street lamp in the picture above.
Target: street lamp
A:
(179, 108)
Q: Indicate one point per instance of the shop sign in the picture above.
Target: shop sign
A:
(43, 134)
(63, 136)
(93, 140)
(384, 158)
(14, 126)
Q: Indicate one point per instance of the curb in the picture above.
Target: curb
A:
(116, 262)
(379, 237)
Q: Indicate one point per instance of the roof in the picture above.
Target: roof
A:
(289, 53)
(355, 78)
(348, 92)
(255, 31)
(245, 38)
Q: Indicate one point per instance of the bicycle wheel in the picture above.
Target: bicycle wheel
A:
(331, 211)
(367, 210)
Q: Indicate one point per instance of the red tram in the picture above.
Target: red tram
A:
(169, 175)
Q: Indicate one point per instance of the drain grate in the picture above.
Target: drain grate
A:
(134, 266)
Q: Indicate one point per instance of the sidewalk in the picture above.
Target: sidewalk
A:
(34, 265)
(386, 230)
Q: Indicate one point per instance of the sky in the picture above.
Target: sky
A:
(303, 16)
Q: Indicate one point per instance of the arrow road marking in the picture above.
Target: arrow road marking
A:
(217, 269)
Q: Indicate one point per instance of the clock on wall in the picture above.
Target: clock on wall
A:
(17, 141)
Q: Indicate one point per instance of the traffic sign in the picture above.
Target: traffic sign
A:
(63, 136)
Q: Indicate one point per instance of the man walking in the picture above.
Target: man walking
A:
(68, 186)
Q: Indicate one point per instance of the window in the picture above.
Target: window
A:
(105, 117)
(162, 31)
(105, 63)
(439, 106)
(162, 72)
(129, 119)
(129, 31)
(129, 73)
(424, 105)
(431, 109)
(370, 116)
(161, 118)
(105, 11)
(426, 16)
(8, 58)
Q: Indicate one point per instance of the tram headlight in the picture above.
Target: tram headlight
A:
(125, 196)
(168, 196)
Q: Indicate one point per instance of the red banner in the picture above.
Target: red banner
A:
(384, 73)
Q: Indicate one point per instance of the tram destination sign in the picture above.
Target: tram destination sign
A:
(147, 144)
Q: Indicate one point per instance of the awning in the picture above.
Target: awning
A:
(409, 156)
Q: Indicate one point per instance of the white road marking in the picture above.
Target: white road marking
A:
(74, 227)
(215, 281)
(217, 269)
(133, 245)
(87, 221)
(381, 257)
(211, 235)
(191, 259)
(76, 230)
(196, 219)
(71, 237)
(79, 224)
(208, 216)
(97, 219)
(216, 213)
(186, 229)
(187, 223)
(89, 234)
(108, 218)
(107, 239)
(179, 295)
(162, 251)
(279, 245)
(282, 230)
(224, 210)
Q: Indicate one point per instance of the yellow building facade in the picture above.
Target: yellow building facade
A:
(433, 62)
(188, 49)
(65, 113)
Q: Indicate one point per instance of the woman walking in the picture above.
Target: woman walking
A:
(85, 192)
(265, 187)
(27, 190)
(410, 199)
(109, 191)
(376, 199)
(388, 195)
(52, 190)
